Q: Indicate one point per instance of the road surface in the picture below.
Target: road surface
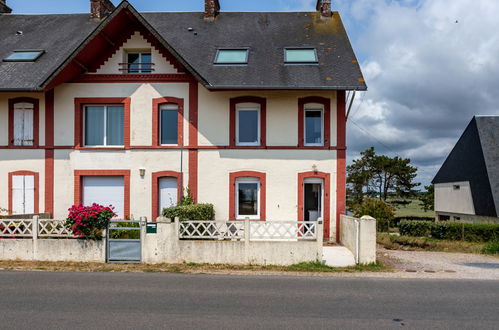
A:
(51, 300)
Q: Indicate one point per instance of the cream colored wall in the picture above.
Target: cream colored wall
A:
(21, 160)
(448, 199)
(282, 115)
(4, 115)
(136, 41)
(281, 168)
(141, 107)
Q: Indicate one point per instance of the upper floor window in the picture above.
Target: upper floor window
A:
(300, 56)
(314, 125)
(248, 124)
(24, 115)
(232, 56)
(139, 61)
(24, 56)
(168, 124)
(104, 125)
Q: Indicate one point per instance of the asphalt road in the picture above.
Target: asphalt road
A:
(46, 300)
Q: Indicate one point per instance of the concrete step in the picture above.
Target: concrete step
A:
(337, 256)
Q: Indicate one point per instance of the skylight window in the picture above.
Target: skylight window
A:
(24, 56)
(232, 56)
(300, 55)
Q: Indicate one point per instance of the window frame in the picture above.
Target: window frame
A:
(287, 62)
(217, 54)
(140, 70)
(36, 179)
(250, 180)
(305, 110)
(326, 197)
(36, 121)
(105, 145)
(156, 122)
(233, 194)
(155, 189)
(326, 102)
(39, 51)
(248, 107)
(79, 120)
(262, 102)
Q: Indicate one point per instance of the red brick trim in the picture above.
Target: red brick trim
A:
(327, 197)
(232, 192)
(36, 121)
(156, 122)
(341, 182)
(37, 189)
(327, 119)
(155, 189)
(78, 193)
(49, 153)
(193, 139)
(78, 122)
(263, 117)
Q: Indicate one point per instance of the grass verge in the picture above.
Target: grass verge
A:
(305, 267)
(409, 243)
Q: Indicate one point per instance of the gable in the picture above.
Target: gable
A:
(466, 163)
(136, 44)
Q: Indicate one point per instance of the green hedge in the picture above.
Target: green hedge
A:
(396, 221)
(191, 212)
(453, 231)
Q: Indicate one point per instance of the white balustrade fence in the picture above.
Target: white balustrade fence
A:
(34, 228)
(251, 230)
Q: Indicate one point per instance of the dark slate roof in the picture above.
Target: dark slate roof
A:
(58, 35)
(475, 158)
(265, 34)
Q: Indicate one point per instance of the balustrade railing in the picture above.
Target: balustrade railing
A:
(33, 228)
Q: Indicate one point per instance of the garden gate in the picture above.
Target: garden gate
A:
(124, 241)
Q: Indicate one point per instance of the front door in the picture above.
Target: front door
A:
(23, 194)
(168, 193)
(313, 194)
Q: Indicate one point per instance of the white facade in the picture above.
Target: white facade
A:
(454, 197)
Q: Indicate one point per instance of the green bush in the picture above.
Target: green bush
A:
(190, 212)
(491, 248)
(379, 210)
(396, 221)
(452, 231)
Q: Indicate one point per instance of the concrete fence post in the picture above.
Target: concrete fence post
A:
(367, 240)
(34, 231)
(247, 237)
(320, 238)
(177, 227)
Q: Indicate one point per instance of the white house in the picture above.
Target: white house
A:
(127, 108)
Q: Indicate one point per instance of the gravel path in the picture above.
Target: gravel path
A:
(441, 264)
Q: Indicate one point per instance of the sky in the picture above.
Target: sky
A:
(430, 66)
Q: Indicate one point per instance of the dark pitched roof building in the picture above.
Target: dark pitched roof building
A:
(475, 159)
(193, 38)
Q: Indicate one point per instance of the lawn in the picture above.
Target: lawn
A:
(413, 209)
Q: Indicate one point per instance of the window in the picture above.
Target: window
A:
(23, 194)
(106, 191)
(24, 116)
(104, 125)
(232, 56)
(168, 193)
(248, 124)
(247, 198)
(314, 125)
(300, 55)
(139, 62)
(456, 187)
(24, 56)
(169, 124)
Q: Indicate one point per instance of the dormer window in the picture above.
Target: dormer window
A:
(24, 56)
(232, 56)
(138, 61)
(300, 56)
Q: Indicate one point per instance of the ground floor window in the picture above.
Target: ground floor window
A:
(105, 190)
(248, 198)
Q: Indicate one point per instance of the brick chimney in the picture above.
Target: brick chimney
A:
(324, 7)
(4, 9)
(211, 9)
(99, 9)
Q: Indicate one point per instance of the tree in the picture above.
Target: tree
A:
(379, 175)
(427, 198)
(379, 210)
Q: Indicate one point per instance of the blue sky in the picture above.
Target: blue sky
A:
(430, 66)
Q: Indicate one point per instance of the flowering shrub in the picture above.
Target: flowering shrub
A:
(89, 221)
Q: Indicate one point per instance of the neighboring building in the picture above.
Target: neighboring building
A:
(467, 184)
(127, 108)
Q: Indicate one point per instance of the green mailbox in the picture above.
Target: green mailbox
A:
(151, 228)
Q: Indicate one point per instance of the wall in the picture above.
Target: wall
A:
(165, 247)
(52, 250)
(468, 218)
(359, 236)
(448, 199)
